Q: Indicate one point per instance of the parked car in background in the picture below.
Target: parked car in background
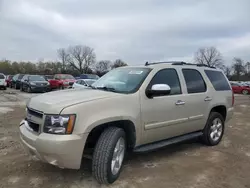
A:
(239, 88)
(16, 80)
(3, 83)
(89, 76)
(61, 81)
(83, 83)
(8, 80)
(34, 83)
(245, 84)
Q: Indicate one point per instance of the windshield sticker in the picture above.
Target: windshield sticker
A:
(135, 72)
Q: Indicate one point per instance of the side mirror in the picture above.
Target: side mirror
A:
(26, 80)
(158, 90)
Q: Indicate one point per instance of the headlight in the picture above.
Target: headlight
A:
(59, 124)
(48, 83)
(66, 83)
(32, 83)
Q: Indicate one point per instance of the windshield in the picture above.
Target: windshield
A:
(36, 78)
(89, 76)
(89, 82)
(66, 77)
(123, 80)
(2, 76)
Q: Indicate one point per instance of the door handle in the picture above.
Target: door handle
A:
(180, 102)
(208, 99)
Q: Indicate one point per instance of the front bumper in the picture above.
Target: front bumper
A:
(39, 88)
(64, 151)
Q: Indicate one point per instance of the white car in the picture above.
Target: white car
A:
(3, 83)
(83, 83)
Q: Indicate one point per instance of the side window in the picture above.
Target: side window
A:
(167, 76)
(25, 78)
(218, 80)
(83, 82)
(194, 81)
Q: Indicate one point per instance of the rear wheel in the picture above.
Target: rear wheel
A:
(108, 155)
(214, 129)
(16, 86)
(4, 88)
(244, 92)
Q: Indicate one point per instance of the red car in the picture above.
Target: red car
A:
(8, 80)
(238, 88)
(60, 81)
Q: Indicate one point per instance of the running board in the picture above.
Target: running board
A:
(163, 143)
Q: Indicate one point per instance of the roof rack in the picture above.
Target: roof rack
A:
(179, 63)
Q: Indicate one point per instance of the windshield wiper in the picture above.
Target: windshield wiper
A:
(105, 88)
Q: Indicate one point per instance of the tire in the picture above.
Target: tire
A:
(61, 87)
(103, 155)
(16, 86)
(4, 88)
(29, 90)
(210, 136)
(244, 92)
(21, 88)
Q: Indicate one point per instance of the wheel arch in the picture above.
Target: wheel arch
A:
(220, 109)
(127, 125)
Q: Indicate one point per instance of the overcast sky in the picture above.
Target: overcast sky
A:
(133, 30)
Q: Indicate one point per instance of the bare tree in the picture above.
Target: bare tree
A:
(227, 70)
(63, 56)
(209, 56)
(118, 63)
(238, 67)
(81, 57)
(103, 66)
(248, 67)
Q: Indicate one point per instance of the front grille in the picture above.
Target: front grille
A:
(71, 83)
(35, 113)
(33, 126)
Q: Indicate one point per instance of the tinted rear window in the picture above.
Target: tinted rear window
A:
(218, 80)
(2, 76)
(194, 81)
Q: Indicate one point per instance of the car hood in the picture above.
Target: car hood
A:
(55, 102)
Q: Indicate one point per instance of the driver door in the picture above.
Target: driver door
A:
(163, 116)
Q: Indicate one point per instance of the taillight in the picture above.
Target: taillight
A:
(232, 98)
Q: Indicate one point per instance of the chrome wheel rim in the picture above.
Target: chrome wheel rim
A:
(245, 92)
(216, 129)
(118, 156)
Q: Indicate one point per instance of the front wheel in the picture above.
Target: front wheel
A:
(214, 129)
(61, 87)
(108, 155)
(29, 90)
(244, 92)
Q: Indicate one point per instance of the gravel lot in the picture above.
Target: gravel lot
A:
(185, 165)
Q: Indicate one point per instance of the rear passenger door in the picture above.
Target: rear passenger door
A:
(197, 99)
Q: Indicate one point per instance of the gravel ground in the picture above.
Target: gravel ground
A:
(185, 165)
